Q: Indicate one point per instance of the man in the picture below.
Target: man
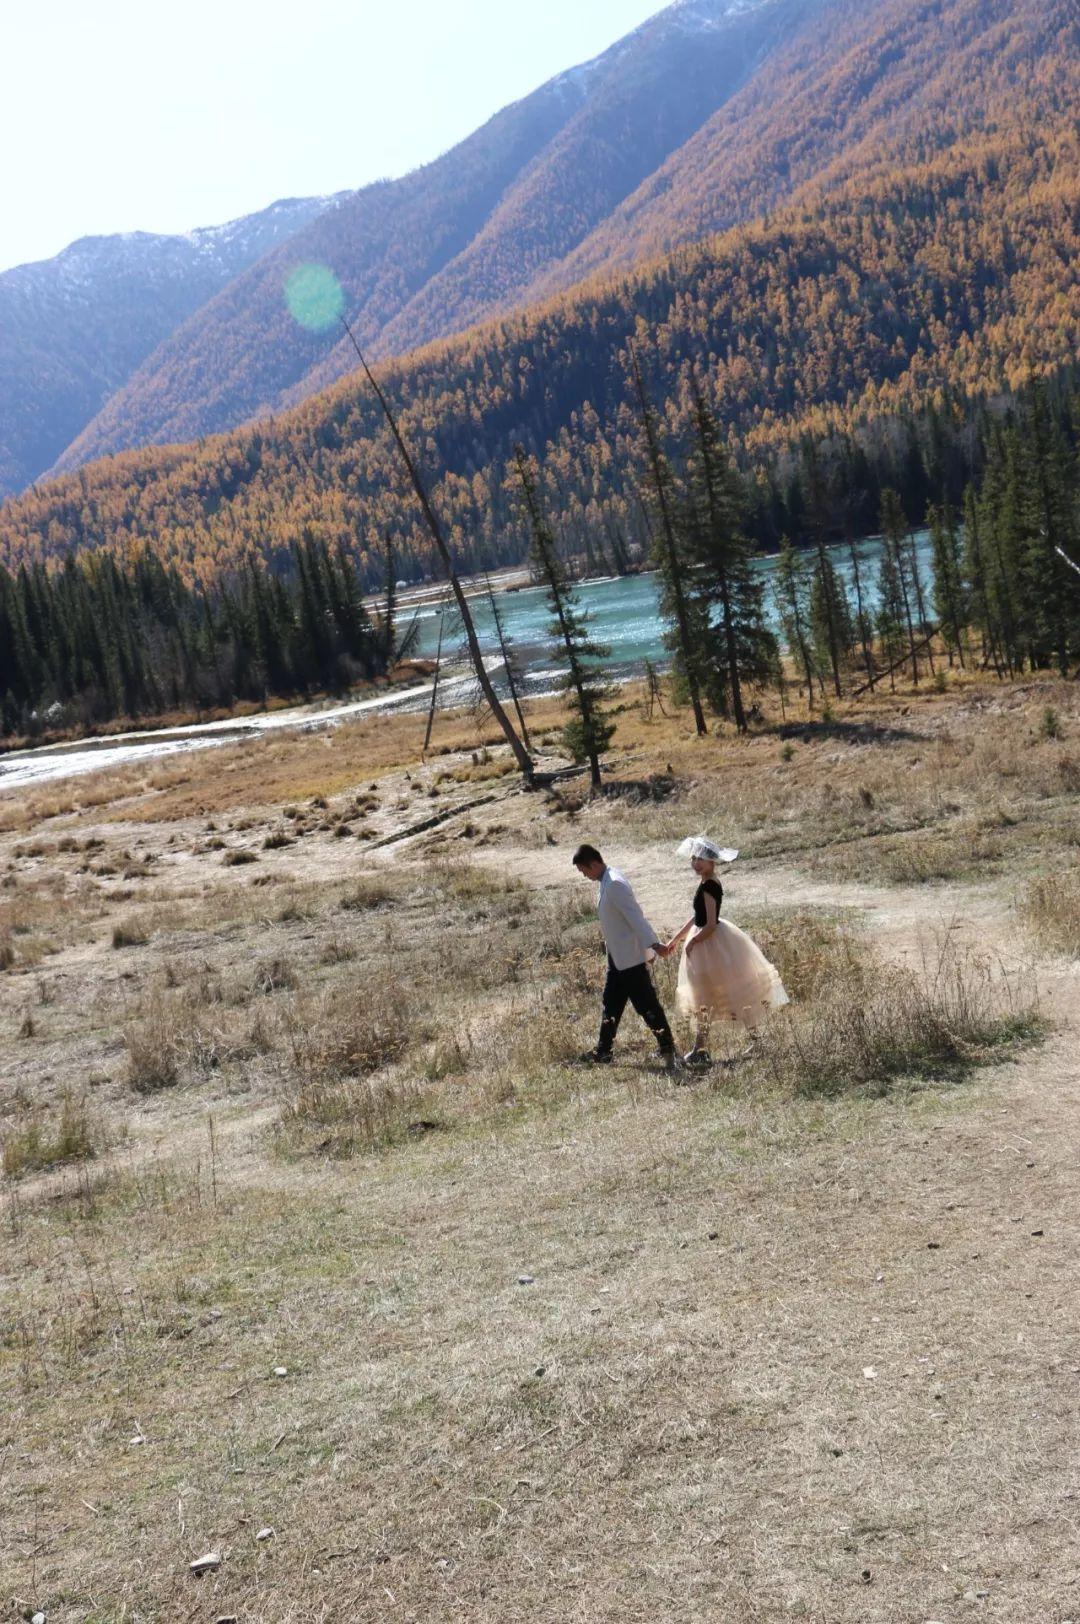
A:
(629, 938)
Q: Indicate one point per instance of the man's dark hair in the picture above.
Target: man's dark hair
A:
(586, 854)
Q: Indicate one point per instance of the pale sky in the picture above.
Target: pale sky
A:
(123, 115)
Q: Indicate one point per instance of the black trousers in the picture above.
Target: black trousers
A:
(634, 986)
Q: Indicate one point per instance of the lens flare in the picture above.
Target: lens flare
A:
(314, 297)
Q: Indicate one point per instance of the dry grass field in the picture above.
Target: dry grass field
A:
(317, 1254)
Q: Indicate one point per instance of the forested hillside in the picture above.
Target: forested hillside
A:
(949, 270)
(74, 328)
(426, 255)
(838, 99)
(710, 115)
(97, 640)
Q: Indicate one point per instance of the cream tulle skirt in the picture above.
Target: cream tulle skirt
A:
(728, 978)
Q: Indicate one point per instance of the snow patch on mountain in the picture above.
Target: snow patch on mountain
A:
(228, 243)
(708, 14)
(687, 15)
(286, 211)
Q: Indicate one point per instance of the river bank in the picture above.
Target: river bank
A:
(625, 618)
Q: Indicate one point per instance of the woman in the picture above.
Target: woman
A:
(723, 975)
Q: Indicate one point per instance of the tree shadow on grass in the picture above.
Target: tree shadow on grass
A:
(849, 733)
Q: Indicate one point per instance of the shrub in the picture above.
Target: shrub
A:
(239, 854)
(468, 883)
(923, 859)
(450, 1056)
(337, 1048)
(920, 858)
(1068, 773)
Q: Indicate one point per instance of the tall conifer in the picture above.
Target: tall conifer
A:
(589, 732)
(726, 594)
(685, 635)
(791, 591)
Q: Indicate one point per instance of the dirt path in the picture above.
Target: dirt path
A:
(814, 1360)
(899, 917)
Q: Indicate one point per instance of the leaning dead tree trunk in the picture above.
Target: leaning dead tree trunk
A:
(434, 686)
(521, 755)
(905, 659)
(1073, 565)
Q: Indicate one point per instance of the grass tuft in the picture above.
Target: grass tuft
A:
(368, 892)
(349, 1117)
(351, 1032)
(813, 951)
(1051, 910)
(872, 1026)
(129, 933)
(153, 1049)
(38, 1145)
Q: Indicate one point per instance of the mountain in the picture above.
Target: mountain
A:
(460, 239)
(939, 270)
(74, 328)
(836, 99)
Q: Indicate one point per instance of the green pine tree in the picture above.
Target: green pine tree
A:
(791, 591)
(949, 595)
(685, 633)
(725, 593)
(588, 733)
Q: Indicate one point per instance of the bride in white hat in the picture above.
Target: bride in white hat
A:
(723, 976)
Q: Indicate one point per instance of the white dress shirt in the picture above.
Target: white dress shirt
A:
(628, 936)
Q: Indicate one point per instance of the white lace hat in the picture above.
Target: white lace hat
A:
(702, 846)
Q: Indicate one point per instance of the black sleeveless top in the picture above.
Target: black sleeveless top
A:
(707, 888)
